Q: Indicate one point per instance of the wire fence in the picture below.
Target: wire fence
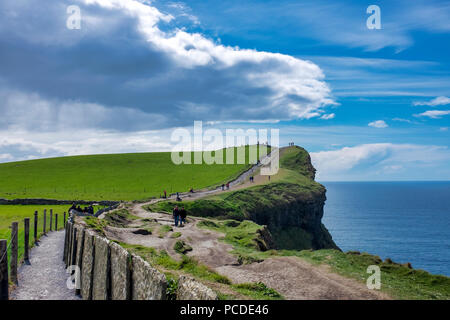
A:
(8, 247)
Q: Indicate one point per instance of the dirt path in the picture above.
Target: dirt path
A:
(44, 278)
(297, 279)
(205, 244)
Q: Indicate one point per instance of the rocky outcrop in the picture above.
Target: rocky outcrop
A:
(264, 239)
(190, 289)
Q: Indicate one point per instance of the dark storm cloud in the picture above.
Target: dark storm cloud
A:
(122, 72)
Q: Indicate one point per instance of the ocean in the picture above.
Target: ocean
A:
(405, 221)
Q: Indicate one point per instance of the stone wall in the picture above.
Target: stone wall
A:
(190, 289)
(110, 272)
(55, 202)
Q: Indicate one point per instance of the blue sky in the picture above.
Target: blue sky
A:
(368, 104)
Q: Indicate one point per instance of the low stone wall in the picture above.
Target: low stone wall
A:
(120, 272)
(108, 271)
(102, 265)
(87, 265)
(49, 202)
(190, 289)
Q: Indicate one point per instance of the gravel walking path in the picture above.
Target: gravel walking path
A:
(44, 277)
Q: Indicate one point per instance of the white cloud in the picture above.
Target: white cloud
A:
(443, 129)
(434, 114)
(378, 124)
(328, 116)
(286, 76)
(372, 161)
(439, 101)
(23, 145)
(402, 120)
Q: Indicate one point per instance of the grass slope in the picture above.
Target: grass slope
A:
(134, 176)
(398, 280)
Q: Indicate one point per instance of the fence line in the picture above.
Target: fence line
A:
(9, 273)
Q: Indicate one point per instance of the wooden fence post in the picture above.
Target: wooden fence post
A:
(56, 222)
(14, 251)
(51, 220)
(35, 227)
(64, 221)
(45, 221)
(26, 223)
(4, 283)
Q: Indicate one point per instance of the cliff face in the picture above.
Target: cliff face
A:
(292, 214)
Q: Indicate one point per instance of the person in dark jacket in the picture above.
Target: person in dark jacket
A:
(176, 215)
(183, 214)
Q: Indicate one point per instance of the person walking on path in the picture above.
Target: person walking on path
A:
(223, 187)
(176, 215)
(165, 194)
(183, 214)
(228, 186)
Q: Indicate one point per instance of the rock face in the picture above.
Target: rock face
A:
(190, 289)
(88, 265)
(302, 215)
(265, 241)
(147, 282)
(100, 285)
(120, 272)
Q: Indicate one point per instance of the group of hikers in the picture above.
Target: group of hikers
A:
(164, 195)
(179, 216)
(89, 209)
(225, 185)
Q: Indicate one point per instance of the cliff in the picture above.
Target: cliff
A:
(291, 204)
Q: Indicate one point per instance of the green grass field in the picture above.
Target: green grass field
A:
(17, 213)
(134, 176)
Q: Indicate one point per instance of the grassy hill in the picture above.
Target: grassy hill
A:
(110, 177)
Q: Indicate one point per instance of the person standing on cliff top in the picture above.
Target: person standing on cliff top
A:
(176, 215)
